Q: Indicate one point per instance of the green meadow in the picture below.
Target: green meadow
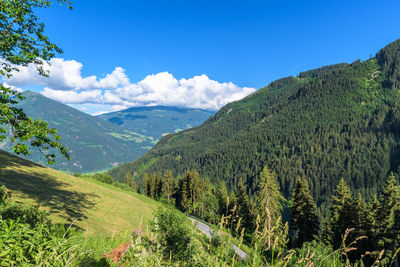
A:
(96, 207)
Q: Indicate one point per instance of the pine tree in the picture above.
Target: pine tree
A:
(183, 196)
(146, 184)
(304, 215)
(269, 197)
(153, 186)
(168, 185)
(389, 218)
(372, 230)
(131, 182)
(208, 204)
(244, 207)
(197, 189)
(159, 180)
(341, 214)
(223, 199)
(362, 226)
(269, 200)
(192, 189)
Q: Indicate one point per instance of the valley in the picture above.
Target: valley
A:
(157, 121)
(185, 162)
(94, 143)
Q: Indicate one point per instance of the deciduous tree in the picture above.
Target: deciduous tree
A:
(22, 42)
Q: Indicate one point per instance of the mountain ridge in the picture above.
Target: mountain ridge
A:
(157, 121)
(94, 144)
(327, 123)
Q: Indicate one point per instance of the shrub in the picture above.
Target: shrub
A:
(215, 239)
(173, 233)
(4, 194)
(103, 177)
(45, 245)
(124, 187)
(24, 213)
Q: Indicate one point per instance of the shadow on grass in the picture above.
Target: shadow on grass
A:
(44, 189)
(10, 159)
(88, 262)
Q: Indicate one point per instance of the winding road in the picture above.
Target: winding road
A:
(207, 230)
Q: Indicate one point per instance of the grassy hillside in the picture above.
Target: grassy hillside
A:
(336, 121)
(157, 121)
(94, 144)
(98, 208)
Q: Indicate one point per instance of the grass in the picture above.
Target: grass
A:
(97, 208)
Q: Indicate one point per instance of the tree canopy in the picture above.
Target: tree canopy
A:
(22, 42)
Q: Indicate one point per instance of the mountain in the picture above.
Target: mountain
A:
(336, 121)
(157, 121)
(97, 208)
(94, 144)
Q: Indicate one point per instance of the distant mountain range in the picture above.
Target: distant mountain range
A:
(157, 121)
(324, 124)
(95, 143)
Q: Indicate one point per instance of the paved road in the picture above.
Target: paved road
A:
(207, 230)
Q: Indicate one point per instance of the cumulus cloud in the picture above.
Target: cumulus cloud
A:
(13, 87)
(73, 97)
(66, 84)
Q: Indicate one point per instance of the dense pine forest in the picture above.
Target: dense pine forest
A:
(367, 232)
(339, 121)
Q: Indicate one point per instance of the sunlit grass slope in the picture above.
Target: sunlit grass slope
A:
(97, 208)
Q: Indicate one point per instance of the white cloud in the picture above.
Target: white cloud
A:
(99, 113)
(73, 97)
(13, 87)
(66, 84)
(64, 75)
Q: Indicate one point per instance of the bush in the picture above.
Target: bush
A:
(4, 194)
(27, 236)
(24, 213)
(47, 245)
(103, 177)
(173, 233)
(124, 187)
(215, 239)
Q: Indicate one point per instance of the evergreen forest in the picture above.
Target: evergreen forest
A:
(336, 122)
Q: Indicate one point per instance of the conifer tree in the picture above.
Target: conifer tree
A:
(269, 197)
(153, 186)
(191, 190)
(159, 180)
(389, 218)
(223, 199)
(168, 185)
(269, 200)
(372, 230)
(304, 215)
(372, 217)
(146, 184)
(244, 207)
(341, 214)
(362, 226)
(208, 204)
(131, 182)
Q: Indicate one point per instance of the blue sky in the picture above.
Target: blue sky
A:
(247, 43)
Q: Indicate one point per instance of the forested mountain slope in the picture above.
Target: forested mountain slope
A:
(157, 121)
(336, 121)
(94, 144)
